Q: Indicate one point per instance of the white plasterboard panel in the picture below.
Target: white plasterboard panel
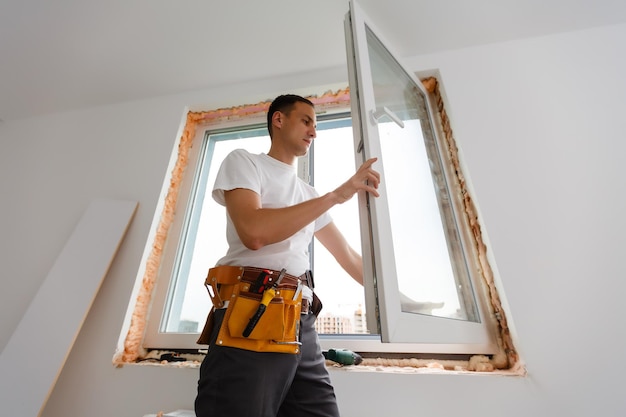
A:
(49, 327)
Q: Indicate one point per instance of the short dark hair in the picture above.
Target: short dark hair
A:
(284, 103)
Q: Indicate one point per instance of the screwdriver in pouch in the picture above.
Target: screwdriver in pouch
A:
(268, 295)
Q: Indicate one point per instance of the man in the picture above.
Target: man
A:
(272, 217)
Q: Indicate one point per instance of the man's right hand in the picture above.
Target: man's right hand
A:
(366, 178)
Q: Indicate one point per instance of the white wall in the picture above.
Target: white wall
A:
(541, 126)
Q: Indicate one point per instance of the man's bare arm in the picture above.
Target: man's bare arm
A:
(258, 226)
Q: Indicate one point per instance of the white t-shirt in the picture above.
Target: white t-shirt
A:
(279, 186)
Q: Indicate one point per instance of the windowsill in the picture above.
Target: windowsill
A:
(421, 370)
(361, 369)
(369, 365)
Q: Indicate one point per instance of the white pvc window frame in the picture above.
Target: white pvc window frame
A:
(423, 333)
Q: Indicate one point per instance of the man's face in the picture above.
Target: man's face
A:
(298, 128)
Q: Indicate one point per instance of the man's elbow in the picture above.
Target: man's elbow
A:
(251, 237)
(253, 245)
(252, 242)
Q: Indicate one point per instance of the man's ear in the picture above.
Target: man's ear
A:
(277, 119)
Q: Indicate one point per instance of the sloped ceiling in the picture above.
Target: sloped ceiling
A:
(67, 54)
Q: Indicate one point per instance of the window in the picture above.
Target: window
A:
(197, 238)
(428, 287)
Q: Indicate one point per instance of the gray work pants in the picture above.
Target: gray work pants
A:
(240, 383)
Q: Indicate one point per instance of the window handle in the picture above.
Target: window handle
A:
(378, 114)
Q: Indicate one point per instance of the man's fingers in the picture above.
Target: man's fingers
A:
(372, 176)
(368, 163)
(373, 191)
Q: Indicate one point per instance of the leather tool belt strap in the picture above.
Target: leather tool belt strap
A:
(224, 276)
(277, 329)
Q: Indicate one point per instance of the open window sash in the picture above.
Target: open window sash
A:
(418, 281)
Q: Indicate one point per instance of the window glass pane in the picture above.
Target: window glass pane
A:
(432, 275)
(204, 241)
(343, 298)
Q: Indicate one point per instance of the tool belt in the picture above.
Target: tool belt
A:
(278, 328)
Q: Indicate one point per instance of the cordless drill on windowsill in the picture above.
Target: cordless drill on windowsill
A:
(343, 356)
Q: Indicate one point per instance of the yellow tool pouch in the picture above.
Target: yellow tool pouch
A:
(277, 329)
